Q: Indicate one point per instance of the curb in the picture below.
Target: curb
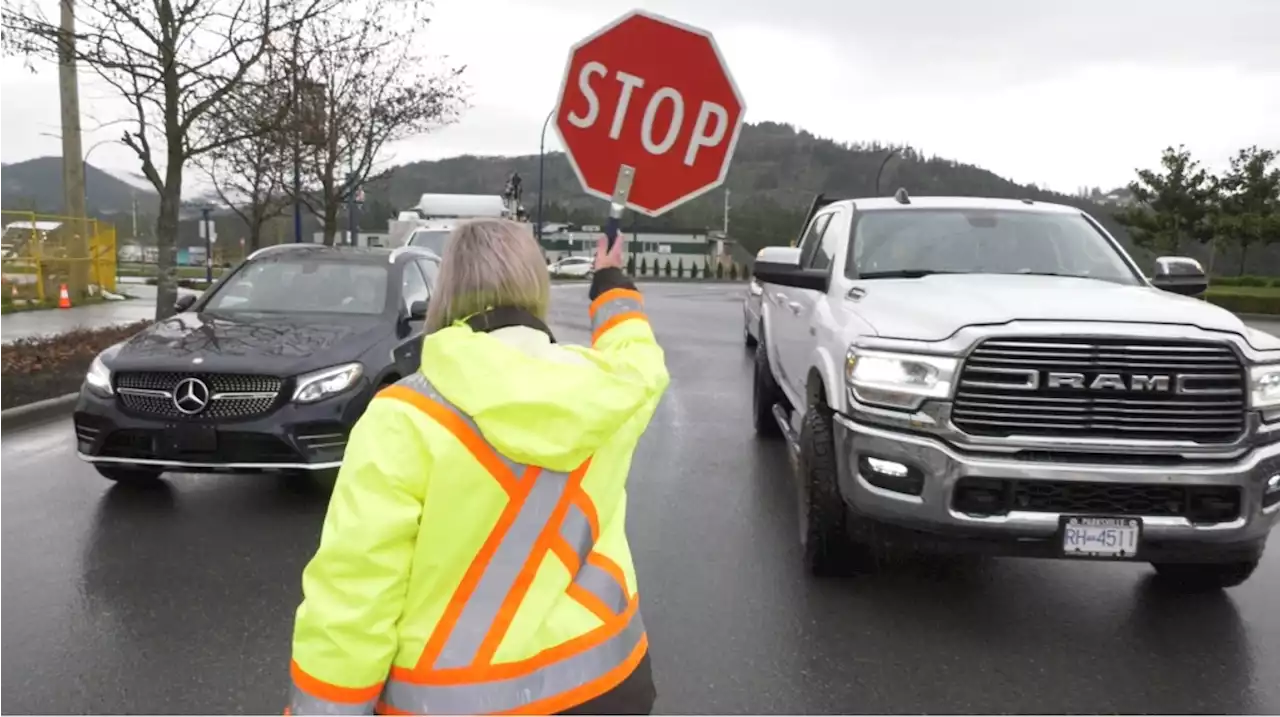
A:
(38, 412)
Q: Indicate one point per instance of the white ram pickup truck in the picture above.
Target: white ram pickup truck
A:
(999, 376)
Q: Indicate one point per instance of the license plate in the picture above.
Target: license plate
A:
(191, 439)
(1100, 537)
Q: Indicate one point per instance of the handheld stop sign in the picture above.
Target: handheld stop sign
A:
(648, 115)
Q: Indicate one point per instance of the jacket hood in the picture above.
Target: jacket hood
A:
(933, 308)
(535, 401)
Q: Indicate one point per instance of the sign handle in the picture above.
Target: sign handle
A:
(618, 204)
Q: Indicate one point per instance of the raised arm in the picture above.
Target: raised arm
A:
(619, 325)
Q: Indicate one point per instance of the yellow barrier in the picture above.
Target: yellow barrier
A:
(39, 254)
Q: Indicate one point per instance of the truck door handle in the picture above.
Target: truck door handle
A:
(779, 298)
(794, 306)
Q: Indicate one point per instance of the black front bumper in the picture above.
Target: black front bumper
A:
(288, 437)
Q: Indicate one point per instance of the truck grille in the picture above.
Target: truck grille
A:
(1102, 388)
(1196, 503)
(232, 396)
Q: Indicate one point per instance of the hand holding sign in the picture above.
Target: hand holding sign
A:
(648, 114)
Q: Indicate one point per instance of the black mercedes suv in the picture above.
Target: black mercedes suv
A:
(266, 371)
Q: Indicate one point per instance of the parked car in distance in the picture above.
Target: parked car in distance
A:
(266, 371)
(571, 267)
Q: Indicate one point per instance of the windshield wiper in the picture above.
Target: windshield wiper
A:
(1046, 273)
(903, 274)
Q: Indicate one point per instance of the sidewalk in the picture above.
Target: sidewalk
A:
(29, 324)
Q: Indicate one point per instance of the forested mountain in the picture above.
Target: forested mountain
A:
(775, 173)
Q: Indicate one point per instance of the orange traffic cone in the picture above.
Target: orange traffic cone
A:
(64, 298)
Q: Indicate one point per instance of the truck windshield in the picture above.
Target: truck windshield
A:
(430, 239)
(903, 243)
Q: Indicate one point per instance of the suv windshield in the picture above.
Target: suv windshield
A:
(298, 285)
(916, 242)
(432, 240)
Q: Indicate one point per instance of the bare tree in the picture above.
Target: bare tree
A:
(248, 174)
(174, 62)
(377, 89)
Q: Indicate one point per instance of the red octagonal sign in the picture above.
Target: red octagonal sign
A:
(653, 94)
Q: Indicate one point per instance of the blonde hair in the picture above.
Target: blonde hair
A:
(489, 263)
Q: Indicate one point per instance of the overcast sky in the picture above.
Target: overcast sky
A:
(1059, 92)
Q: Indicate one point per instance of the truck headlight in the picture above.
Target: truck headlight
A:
(98, 379)
(1264, 387)
(897, 380)
(326, 382)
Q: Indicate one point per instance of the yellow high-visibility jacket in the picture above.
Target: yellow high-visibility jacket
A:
(474, 559)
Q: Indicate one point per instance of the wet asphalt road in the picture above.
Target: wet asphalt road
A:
(181, 600)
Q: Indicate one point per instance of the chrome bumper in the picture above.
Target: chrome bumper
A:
(943, 467)
(209, 466)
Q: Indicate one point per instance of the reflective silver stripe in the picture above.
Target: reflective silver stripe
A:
(481, 609)
(612, 308)
(516, 692)
(604, 586)
(301, 703)
(576, 531)
(420, 384)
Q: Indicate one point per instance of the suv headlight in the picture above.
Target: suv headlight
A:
(897, 380)
(326, 382)
(1264, 387)
(98, 379)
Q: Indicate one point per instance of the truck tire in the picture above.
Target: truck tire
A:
(129, 475)
(765, 393)
(747, 338)
(1205, 576)
(824, 535)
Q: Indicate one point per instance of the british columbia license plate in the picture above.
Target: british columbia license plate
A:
(1100, 537)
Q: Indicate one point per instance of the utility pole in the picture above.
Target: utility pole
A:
(351, 209)
(297, 137)
(135, 217)
(726, 213)
(72, 155)
(208, 244)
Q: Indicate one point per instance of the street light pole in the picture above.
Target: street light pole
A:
(885, 161)
(297, 138)
(542, 149)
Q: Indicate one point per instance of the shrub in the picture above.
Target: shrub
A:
(49, 366)
(693, 270)
(667, 268)
(631, 264)
(719, 270)
(1243, 301)
(644, 266)
(680, 269)
(733, 272)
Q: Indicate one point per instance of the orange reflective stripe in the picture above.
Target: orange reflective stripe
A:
(611, 295)
(604, 563)
(614, 321)
(590, 601)
(330, 692)
(474, 442)
(588, 508)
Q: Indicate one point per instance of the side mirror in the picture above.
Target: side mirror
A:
(418, 310)
(781, 265)
(184, 302)
(1180, 275)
